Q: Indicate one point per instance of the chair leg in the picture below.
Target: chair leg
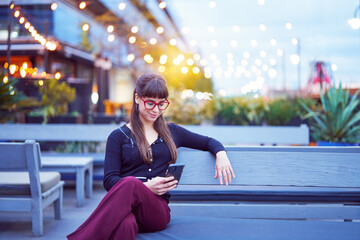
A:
(37, 220)
(58, 204)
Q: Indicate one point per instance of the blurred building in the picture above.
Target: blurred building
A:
(97, 47)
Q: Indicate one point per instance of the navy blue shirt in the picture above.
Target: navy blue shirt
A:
(122, 157)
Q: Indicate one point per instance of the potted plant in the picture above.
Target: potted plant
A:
(279, 112)
(338, 121)
(12, 101)
(55, 97)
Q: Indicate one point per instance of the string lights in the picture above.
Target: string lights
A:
(50, 45)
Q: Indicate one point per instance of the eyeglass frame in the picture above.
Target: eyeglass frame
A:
(155, 104)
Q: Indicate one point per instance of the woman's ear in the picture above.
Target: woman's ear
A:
(136, 98)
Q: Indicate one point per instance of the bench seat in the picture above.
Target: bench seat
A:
(18, 183)
(213, 228)
(188, 192)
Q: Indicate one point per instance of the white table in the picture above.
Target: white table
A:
(81, 166)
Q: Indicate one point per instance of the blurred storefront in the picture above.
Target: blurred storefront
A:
(91, 48)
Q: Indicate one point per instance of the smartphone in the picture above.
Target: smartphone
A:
(175, 170)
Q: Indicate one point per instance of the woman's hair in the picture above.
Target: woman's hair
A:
(152, 86)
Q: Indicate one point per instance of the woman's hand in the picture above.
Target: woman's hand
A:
(161, 185)
(223, 168)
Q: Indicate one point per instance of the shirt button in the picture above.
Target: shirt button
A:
(149, 169)
(150, 159)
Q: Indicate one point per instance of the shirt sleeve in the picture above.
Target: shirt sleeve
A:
(186, 138)
(112, 164)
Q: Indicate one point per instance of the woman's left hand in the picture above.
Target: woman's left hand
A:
(223, 169)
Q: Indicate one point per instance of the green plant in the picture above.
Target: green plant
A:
(13, 101)
(338, 121)
(183, 111)
(55, 97)
(279, 112)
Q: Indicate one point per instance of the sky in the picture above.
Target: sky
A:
(242, 40)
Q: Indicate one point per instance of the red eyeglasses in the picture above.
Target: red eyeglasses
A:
(150, 105)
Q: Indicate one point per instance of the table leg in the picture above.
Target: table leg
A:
(89, 181)
(80, 177)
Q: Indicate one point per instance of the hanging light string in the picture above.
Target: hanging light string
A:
(18, 14)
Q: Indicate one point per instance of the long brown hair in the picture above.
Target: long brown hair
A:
(153, 86)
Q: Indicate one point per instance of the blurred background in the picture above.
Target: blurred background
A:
(226, 62)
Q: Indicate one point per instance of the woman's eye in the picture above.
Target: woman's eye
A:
(150, 104)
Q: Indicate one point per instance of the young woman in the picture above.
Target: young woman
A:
(137, 156)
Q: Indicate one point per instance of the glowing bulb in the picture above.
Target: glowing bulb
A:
(17, 13)
(53, 6)
(122, 6)
(131, 57)
(190, 61)
(236, 28)
(273, 42)
(6, 79)
(162, 5)
(21, 20)
(27, 25)
(196, 70)
(212, 4)
(111, 38)
(153, 41)
(234, 43)
(185, 30)
(31, 28)
(294, 41)
(57, 76)
(160, 30)
(211, 29)
(253, 43)
(279, 52)
(262, 27)
(173, 42)
(295, 59)
(132, 39)
(82, 5)
(148, 58)
(161, 69)
(134, 29)
(196, 57)
(85, 27)
(334, 67)
(288, 26)
(261, 2)
(110, 28)
(163, 59)
(184, 70)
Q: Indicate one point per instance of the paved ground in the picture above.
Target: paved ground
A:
(18, 226)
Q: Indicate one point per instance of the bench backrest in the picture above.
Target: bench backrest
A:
(24, 157)
(278, 166)
(228, 135)
(257, 135)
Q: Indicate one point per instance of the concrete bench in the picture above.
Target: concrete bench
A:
(228, 135)
(81, 166)
(26, 189)
(278, 193)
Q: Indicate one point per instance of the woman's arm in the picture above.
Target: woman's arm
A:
(186, 138)
(112, 164)
(223, 168)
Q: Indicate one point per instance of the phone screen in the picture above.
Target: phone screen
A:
(175, 170)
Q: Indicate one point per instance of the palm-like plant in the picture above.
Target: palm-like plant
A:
(339, 119)
(12, 101)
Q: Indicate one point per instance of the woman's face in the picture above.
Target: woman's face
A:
(149, 108)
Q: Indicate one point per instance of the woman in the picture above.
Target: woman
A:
(137, 156)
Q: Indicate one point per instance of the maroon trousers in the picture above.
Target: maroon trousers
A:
(128, 208)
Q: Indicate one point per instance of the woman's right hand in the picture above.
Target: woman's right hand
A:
(161, 185)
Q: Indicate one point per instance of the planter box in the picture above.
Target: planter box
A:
(56, 119)
(334, 144)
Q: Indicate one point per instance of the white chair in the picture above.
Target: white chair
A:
(23, 188)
